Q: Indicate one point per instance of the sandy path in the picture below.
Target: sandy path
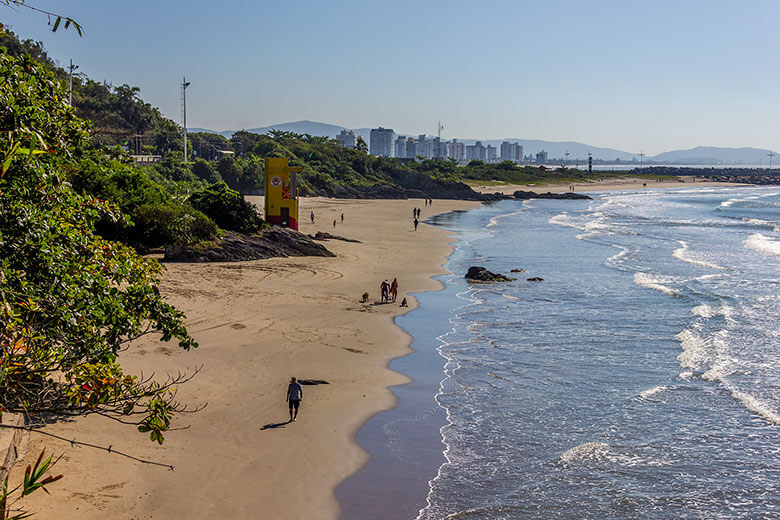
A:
(258, 323)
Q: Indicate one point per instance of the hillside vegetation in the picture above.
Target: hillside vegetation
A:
(176, 202)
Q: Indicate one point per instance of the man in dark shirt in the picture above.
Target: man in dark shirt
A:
(294, 397)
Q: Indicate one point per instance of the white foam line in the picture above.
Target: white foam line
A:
(757, 406)
(645, 280)
(494, 220)
(652, 391)
(683, 253)
(763, 244)
(623, 253)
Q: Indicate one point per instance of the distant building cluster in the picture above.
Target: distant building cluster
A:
(385, 142)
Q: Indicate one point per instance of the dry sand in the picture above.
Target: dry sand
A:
(258, 323)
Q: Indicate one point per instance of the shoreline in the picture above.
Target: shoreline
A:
(258, 323)
(625, 183)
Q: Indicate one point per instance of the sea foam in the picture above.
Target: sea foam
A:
(763, 244)
(655, 283)
(683, 253)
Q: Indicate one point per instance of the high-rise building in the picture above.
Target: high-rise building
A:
(511, 152)
(423, 147)
(541, 157)
(381, 142)
(411, 148)
(347, 138)
(476, 151)
(456, 150)
(490, 153)
(400, 146)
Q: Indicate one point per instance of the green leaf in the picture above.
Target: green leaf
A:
(56, 24)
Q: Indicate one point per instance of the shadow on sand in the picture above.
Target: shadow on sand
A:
(275, 425)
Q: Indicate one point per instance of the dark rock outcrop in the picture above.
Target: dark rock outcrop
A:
(480, 274)
(234, 247)
(327, 236)
(404, 184)
(535, 279)
(569, 195)
(517, 270)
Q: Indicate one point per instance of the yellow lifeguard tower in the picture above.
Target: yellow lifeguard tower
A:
(281, 192)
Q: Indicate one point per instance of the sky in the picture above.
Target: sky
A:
(649, 76)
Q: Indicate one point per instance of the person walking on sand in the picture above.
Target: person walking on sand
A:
(394, 289)
(415, 224)
(342, 218)
(384, 290)
(334, 223)
(312, 217)
(294, 397)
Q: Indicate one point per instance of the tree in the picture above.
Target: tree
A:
(69, 22)
(360, 144)
(69, 299)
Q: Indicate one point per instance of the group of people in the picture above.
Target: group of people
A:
(311, 215)
(389, 290)
(429, 202)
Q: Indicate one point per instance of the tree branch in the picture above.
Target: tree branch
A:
(74, 442)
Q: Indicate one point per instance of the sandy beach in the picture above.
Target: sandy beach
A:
(259, 323)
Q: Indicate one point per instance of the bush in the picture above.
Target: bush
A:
(227, 208)
(164, 224)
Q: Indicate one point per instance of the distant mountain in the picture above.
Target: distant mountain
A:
(714, 155)
(556, 150)
(226, 133)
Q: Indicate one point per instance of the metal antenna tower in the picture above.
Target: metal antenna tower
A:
(770, 155)
(641, 159)
(71, 68)
(184, 85)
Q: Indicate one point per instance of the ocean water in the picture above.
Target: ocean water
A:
(639, 380)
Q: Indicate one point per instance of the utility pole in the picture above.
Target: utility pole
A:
(641, 159)
(184, 85)
(71, 68)
(770, 155)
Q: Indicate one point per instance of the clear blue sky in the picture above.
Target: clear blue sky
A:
(634, 75)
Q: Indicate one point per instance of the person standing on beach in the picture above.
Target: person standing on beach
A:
(294, 397)
(312, 217)
(342, 218)
(394, 289)
(384, 290)
(415, 224)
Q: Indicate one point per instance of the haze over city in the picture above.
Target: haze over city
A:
(644, 77)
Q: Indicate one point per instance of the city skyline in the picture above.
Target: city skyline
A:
(644, 78)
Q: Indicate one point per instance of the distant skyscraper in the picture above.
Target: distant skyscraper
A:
(456, 150)
(490, 153)
(381, 142)
(347, 138)
(423, 147)
(400, 146)
(541, 157)
(476, 151)
(411, 148)
(511, 152)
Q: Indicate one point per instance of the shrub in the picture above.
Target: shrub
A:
(227, 208)
(164, 224)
